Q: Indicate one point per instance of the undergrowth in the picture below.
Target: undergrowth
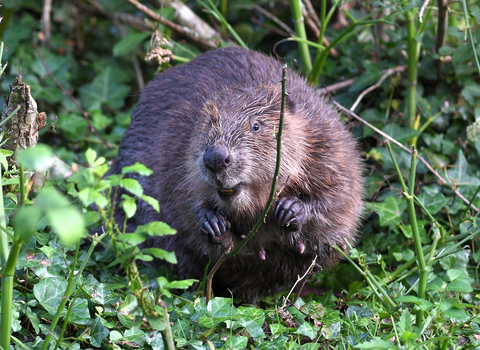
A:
(412, 281)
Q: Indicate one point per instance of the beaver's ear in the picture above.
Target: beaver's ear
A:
(290, 104)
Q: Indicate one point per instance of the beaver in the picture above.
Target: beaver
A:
(207, 129)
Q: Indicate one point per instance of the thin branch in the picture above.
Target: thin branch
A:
(46, 11)
(406, 149)
(388, 72)
(187, 32)
(74, 100)
(282, 25)
(208, 288)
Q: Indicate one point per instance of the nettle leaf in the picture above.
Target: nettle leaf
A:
(459, 286)
(183, 284)
(390, 211)
(98, 332)
(161, 254)
(133, 238)
(405, 326)
(89, 196)
(377, 344)
(129, 43)
(422, 303)
(129, 205)
(435, 284)
(105, 89)
(49, 292)
(454, 274)
(156, 228)
(152, 201)
(132, 186)
(137, 168)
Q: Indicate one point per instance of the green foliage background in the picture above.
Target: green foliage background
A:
(88, 55)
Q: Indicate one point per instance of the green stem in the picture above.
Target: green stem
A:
(296, 7)
(7, 295)
(416, 235)
(470, 36)
(22, 186)
(412, 70)
(277, 168)
(72, 282)
(3, 237)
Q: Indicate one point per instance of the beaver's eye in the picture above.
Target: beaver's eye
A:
(255, 126)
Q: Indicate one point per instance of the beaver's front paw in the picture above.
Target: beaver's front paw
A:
(290, 213)
(214, 225)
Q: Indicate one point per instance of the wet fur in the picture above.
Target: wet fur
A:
(214, 99)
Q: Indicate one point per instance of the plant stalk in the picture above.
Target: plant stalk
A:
(296, 7)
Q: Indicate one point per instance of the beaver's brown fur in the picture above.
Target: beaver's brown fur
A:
(207, 130)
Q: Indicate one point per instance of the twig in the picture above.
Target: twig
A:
(46, 11)
(406, 149)
(271, 198)
(312, 20)
(208, 288)
(304, 280)
(282, 25)
(74, 100)
(136, 64)
(310, 268)
(178, 28)
(336, 86)
(442, 24)
(388, 72)
(422, 10)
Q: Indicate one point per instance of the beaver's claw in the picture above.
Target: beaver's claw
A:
(290, 213)
(214, 224)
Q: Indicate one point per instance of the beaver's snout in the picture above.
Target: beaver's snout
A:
(217, 158)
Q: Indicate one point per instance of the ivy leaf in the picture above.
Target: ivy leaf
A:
(98, 332)
(49, 293)
(129, 43)
(104, 89)
(390, 210)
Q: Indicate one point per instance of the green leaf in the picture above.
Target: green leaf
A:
(435, 284)
(88, 196)
(377, 344)
(157, 323)
(433, 203)
(461, 175)
(252, 320)
(105, 89)
(405, 326)
(39, 158)
(236, 342)
(132, 186)
(132, 238)
(137, 168)
(90, 155)
(98, 332)
(309, 330)
(400, 134)
(33, 318)
(161, 254)
(49, 292)
(25, 223)
(80, 313)
(156, 228)
(390, 211)
(454, 274)
(129, 205)
(459, 286)
(67, 223)
(152, 201)
(422, 303)
(129, 43)
(332, 331)
(183, 284)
